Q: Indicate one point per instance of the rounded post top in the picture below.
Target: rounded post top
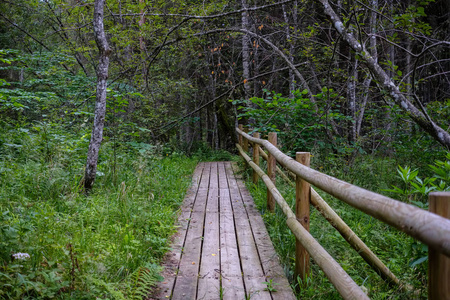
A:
(439, 194)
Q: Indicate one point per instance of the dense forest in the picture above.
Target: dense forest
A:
(132, 94)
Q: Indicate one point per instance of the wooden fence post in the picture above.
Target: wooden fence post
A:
(302, 201)
(245, 146)
(271, 169)
(255, 157)
(439, 264)
(241, 127)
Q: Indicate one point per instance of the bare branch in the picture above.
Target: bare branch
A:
(198, 17)
(385, 81)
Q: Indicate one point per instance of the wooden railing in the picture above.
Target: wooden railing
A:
(431, 228)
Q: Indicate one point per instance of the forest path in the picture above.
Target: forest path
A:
(222, 249)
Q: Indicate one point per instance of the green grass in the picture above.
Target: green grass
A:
(394, 248)
(106, 245)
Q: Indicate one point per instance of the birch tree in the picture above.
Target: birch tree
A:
(385, 82)
(100, 102)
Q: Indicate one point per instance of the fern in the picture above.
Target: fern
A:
(109, 287)
(141, 281)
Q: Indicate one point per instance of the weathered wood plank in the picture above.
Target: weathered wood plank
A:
(172, 260)
(249, 257)
(223, 182)
(231, 273)
(232, 183)
(218, 231)
(209, 277)
(269, 258)
(213, 176)
(187, 277)
(204, 182)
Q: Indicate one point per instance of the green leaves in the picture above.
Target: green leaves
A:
(413, 185)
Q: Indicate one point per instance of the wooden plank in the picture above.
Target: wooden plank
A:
(232, 184)
(209, 277)
(187, 278)
(269, 258)
(204, 182)
(213, 177)
(223, 182)
(249, 257)
(230, 269)
(172, 259)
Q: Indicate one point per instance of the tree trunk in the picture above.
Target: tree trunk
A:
(141, 39)
(246, 52)
(385, 81)
(351, 95)
(100, 102)
(374, 53)
(291, 43)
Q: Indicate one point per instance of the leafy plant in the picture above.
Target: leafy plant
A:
(270, 285)
(105, 245)
(141, 281)
(413, 185)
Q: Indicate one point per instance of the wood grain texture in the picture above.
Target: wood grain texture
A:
(438, 264)
(335, 273)
(216, 252)
(269, 258)
(347, 233)
(172, 259)
(249, 256)
(209, 278)
(427, 227)
(231, 272)
(271, 170)
(302, 200)
(256, 150)
(187, 277)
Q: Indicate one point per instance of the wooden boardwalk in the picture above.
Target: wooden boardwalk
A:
(222, 249)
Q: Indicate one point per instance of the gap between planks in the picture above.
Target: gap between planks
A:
(222, 249)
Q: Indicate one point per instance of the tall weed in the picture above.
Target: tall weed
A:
(107, 245)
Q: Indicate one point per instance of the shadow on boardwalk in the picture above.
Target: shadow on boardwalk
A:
(222, 249)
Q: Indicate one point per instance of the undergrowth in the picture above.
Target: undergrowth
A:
(56, 242)
(403, 255)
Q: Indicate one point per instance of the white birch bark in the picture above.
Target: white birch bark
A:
(291, 48)
(246, 51)
(351, 94)
(385, 81)
(100, 102)
(374, 53)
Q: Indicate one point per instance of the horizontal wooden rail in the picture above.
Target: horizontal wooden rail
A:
(354, 241)
(427, 227)
(335, 273)
(347, 233)
(284, 176)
